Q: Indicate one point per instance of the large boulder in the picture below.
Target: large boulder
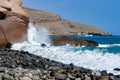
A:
(63, 40)
(13, 22)
(14, 26)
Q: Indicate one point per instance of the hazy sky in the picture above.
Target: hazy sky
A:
(104, 14)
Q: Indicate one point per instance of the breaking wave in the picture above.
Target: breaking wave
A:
(92, 59)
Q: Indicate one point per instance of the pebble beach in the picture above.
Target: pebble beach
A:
(21, 65)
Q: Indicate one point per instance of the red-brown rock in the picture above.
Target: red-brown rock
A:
(60, 41)
(13, 28)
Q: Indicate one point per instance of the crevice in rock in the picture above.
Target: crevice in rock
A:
(2, 15)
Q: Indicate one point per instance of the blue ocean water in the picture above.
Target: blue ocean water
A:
(101, 57)
(109, 44)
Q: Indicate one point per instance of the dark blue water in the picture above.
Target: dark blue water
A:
(109, 44)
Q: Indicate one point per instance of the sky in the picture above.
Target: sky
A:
(105, 14)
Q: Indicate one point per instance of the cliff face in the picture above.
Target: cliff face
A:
(13, 22)
(57, 26)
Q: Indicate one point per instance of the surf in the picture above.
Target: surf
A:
(80, 56)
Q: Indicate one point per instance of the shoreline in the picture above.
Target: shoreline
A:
(21, 65)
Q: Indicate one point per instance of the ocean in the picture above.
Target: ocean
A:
(106, 56)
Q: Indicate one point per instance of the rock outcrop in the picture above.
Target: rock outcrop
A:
(13, 22)
(63, 40)
(57, 26)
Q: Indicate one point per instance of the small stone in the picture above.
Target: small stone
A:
(78, 79)
(29, 75)
(71, 76)
(7, 77)
(55, 68)
(104, 78)
(35, 78)
(44, 72)
(60, 76)
(96, 73)
(62, 71)
(2, 69)
(87, 78)
(104, 73)
(35, 72)
(110, 74)
(25, 78)
(11, 73)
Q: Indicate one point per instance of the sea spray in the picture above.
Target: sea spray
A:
(80, 56)
(37, 35)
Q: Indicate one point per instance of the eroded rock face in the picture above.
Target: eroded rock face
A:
(12, 5)
(63, 40)
(13, 22)
(57, 26)
(13, 27)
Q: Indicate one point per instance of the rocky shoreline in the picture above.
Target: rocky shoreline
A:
(20, 65)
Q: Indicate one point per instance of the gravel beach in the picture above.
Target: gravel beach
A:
(20, 65)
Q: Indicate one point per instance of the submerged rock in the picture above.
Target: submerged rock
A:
(63, 40)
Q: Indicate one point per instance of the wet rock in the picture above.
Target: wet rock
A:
(96, 73)
(117, 69)
(104, 73)
(43, 45)
(63, 40)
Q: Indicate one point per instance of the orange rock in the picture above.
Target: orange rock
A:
(3, 41)
(13, 28)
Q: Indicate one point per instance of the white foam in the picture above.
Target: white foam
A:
(108, 45)
(94, 59)
(37, 35)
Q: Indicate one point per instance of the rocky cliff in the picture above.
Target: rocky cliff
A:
(14, 20)
(57, 26)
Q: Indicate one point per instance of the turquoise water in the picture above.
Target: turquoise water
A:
(101, 57)
(109, 44)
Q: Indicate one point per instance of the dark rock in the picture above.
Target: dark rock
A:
(2, 15)
(110, 74)
(117, 76)
(43, 45)
(104, 73)
(117, 69)
(63, 40)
